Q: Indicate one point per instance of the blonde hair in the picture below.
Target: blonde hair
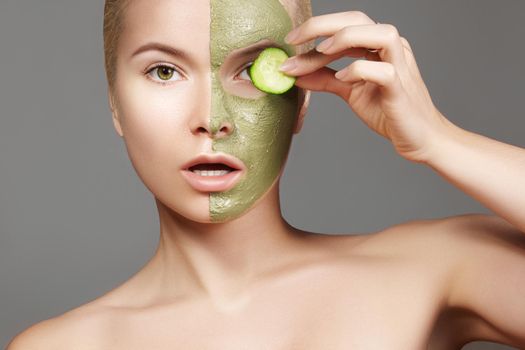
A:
(113, 21)
(299, 10)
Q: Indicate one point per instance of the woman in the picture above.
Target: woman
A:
(229, 271)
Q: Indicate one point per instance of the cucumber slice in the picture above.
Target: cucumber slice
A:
(265, 73)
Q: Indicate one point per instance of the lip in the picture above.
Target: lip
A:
(213, 183)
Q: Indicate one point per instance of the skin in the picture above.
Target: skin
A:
(423, 284)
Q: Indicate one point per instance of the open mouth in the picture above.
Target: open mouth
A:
(213, 172)
(211, 169)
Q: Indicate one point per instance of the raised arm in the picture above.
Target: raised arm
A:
(490, 171)
(386, 91)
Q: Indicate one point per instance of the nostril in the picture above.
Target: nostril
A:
(225, 129)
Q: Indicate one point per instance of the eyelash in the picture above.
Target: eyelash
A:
(167, 82)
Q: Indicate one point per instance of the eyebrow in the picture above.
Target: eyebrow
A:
(175, 52)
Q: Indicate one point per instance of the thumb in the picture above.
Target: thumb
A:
(323, 79)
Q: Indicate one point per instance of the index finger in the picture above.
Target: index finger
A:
(325, 25)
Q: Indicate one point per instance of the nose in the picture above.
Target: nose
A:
(223, 129)
(210, 118)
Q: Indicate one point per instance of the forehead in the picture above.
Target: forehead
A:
(205, 25)
(238, 23)
(168, 22)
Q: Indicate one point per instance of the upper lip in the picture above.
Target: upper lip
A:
(215, 158)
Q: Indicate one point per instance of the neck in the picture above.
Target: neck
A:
(220, 260)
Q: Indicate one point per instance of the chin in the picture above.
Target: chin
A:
(199, 209)
(227, 217)
(202, 215)
(196, 209)
(231, 210)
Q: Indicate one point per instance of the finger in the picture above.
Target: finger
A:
(325, 81)
(384, 37)
(383, 74)
(312, 60)
(326, 25)
(410, 59)
(406, 44)
(409, 54)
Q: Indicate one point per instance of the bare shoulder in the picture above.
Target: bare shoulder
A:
(445, 236)
(486, 229)
(435, 245)
(442, 244)
(78, 328)
(413, 238)
(465, 232)
(426, 238)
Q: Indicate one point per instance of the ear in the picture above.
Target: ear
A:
(114, 112)
(302, 111)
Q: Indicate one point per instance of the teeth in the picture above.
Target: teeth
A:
(211, 172)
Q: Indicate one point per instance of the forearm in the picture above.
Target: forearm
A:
(490, 171)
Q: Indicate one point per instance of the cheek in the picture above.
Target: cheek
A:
(264, 125)
(156, 122)
(153, 121)
(261, 139)
(267, 138)
(145, 103)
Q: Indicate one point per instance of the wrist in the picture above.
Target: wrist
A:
(445, 144)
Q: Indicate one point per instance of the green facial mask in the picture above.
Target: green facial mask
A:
(262, 127)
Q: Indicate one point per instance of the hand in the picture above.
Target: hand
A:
(385, 91)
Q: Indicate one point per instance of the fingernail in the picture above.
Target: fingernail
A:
(325, 44)
(289, 65)
(341, 73)
(294, 34)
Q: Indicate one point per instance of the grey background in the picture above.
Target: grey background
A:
(75, 220)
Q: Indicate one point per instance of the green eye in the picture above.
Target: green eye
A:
(165, 72)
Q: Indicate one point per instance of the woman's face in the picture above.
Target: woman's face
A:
(202, 101)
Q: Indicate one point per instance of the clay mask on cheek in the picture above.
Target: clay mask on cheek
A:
(262, 127)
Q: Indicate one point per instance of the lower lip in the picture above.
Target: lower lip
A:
(212, 183)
